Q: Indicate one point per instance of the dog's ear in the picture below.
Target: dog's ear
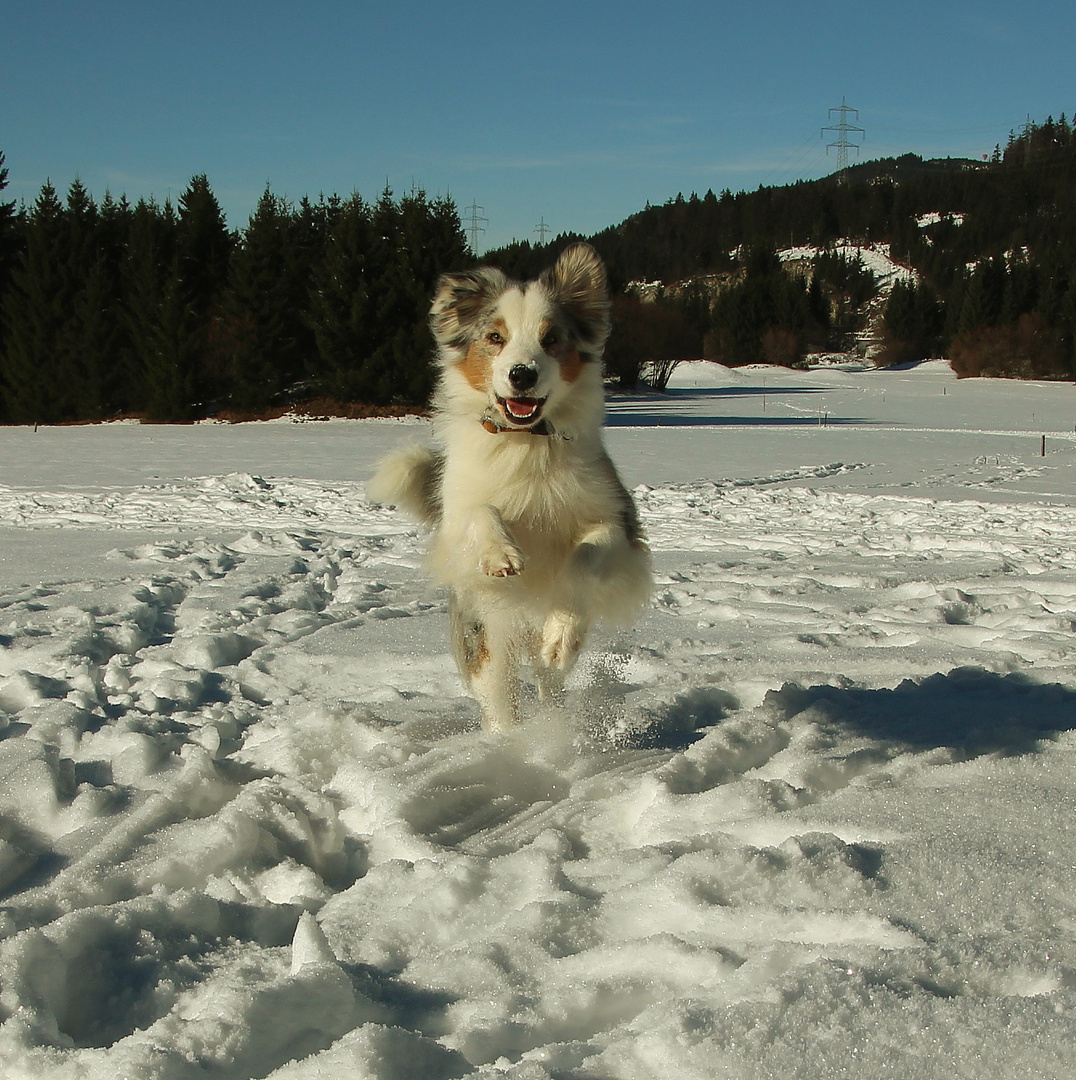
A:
(578, 282)
(460, 302)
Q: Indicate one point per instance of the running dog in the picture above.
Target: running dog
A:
(535, 535)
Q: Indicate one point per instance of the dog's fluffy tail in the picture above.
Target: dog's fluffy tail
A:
(410, 479)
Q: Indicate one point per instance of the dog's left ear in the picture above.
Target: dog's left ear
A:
(578, 282)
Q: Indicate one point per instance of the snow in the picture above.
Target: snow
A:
(933, 218)
(875, 257)
(812, 817)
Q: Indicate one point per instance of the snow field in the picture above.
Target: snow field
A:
(811, 818)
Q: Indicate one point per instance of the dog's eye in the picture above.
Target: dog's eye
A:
(494, 338)
(550, 340)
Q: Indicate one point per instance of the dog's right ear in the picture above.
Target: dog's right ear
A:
(461, 301)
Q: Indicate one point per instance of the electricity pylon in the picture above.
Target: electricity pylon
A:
(542, 229)
(474, 225)
(842, 142)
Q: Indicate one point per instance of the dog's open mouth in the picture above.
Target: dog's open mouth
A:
(521, 412)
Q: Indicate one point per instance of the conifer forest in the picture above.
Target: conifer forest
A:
(163, 312)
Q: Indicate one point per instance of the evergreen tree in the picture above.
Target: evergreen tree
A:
(266, 333)
(983, 296)
(340, 310)
(166, 339)
(173, 345)
(86, 358)
(372, 293)
(818, 308)
(36, 310)
(763, 318)
(59, 361)
(9, 251)
(913, 322)
(425, 239)
(1021, 293)
(203, 248)
(113, 227)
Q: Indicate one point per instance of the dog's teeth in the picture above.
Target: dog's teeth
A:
(522, 409)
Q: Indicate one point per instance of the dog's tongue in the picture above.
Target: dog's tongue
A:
(519, 409)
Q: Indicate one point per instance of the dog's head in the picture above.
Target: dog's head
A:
(524, 344)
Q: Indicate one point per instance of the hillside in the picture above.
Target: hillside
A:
(992, 246)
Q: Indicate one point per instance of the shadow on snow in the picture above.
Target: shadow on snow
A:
(968, 710)
(660, 411)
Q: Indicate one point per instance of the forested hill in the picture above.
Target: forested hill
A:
(992, 244)
(1022, 198)
(694, 235)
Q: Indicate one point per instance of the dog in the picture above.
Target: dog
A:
(534, 533)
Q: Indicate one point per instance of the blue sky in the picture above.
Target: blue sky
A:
(573, 113)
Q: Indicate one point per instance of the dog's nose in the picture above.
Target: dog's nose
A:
(523, 377)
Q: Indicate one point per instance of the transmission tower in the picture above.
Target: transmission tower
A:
(843, 144)
(542, 229)
(474, 223)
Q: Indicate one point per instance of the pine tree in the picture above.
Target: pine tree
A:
(174, 346)
(36, 310)
(88, 350)
(9, 251)
(341, 309)
(203, 248)
(166, 339)
(819, 314)
(425, 240)
(913, 322)
(372, 292)
(983, 296)
(763, 318)
(265, 330)
(114, 226)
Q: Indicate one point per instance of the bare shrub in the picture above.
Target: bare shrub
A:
(1032, 349)
(783, 348)
(649, 337)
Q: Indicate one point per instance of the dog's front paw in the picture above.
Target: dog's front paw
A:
(562, 640)
(503, 560)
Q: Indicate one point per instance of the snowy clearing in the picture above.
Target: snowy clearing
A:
(874, 257)
(812, 817)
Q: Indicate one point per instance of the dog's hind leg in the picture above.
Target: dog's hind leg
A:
(562, 640)
(550, 680)
(488, 657)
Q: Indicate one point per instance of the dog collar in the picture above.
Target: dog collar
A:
(543, 427)
(489, 418)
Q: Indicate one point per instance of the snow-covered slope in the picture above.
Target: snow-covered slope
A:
(876, 258)
(812, 817)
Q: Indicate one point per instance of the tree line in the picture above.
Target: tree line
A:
(160, 311)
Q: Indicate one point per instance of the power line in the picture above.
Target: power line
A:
(474, 224)
(542, 229)
(796, 163)
(842, 142)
